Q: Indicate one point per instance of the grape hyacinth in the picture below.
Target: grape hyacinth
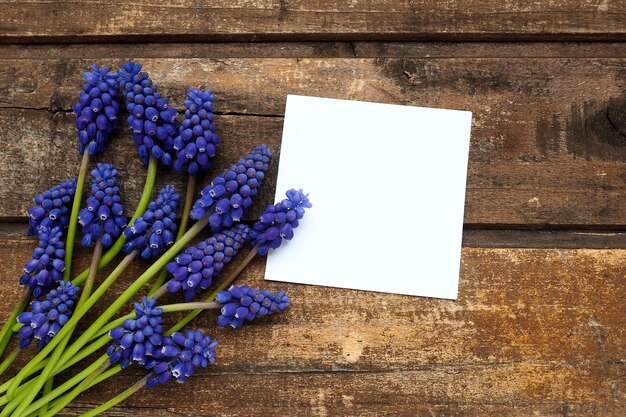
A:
(195, 143)
(47, 265)
(180, 355)
(195, 268)
(52, 207)
(96, 109)
(244, 303)
(152, 121)
(155, 229)
(104, 214)
(230, 194)
(139, 338)
(278, 221)
(47, 317)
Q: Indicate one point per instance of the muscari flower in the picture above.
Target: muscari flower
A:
(137, 339)
(152, 121)
(154, 230)
(230, 194)
(244, 303)
(96, 109)
(278, 221)
(195, 143)
(194, 269)
(47, 317)
(47, 265)
(52, 207)
(180, 355)
(104, 214)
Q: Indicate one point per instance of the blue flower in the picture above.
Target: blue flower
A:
(96, 109)
(195, 143)
(153, 231)
(104, 214)
(245, 303)
(152, 121)
(230, 194)
(180, 355)
(278, 221)
(194, 269)
(47, 317)
(52, 207)
(137, 339)
(46, 267)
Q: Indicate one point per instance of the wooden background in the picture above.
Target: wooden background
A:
(539, 326)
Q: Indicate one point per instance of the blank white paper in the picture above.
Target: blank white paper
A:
(387, 184)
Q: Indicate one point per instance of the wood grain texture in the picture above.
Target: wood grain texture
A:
(548, 139)
(533, 331)
(185, 20)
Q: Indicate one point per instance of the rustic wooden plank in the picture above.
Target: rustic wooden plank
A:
(460, 390)
(534, 331)
(549, 306)
(557, 162)
(184, 20)
(108, 51)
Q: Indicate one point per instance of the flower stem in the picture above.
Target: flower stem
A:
(141, 208)
(84, 384)
(118, 398)
(71, 231)
(182, 323)
(9, 359)
(46, 374)
(184, 221)
(7, 329)
(102, 320)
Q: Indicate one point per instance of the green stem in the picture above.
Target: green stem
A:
(7, 328)
(184, 221)
(118, 398)
(85, 293)
(141, 208)
(46, 374)
(87, 376)
(182, 323)
(102, 320)
(71, 231)
(9, 360)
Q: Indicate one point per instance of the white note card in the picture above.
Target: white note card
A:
(387, 184)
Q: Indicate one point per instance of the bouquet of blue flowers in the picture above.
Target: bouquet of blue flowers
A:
(55, 300)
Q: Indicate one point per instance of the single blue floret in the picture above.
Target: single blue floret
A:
(52, 207)
(104, 214)
(137, 339)
(196, 140)
(151, 120)
(278, 221)
(96, 109)
(230, 194)
(154, 230)
(194, 269)
(46, 267)
(47, 317)
(241, 303)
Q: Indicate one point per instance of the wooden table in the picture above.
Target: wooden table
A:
(539, 326)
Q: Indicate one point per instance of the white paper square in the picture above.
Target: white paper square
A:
(387, 184)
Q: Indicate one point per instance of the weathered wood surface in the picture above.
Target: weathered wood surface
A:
(548, 138)
(185, 20)
(534, 332)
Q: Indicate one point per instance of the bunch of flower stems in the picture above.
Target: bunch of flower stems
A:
(19, 394)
